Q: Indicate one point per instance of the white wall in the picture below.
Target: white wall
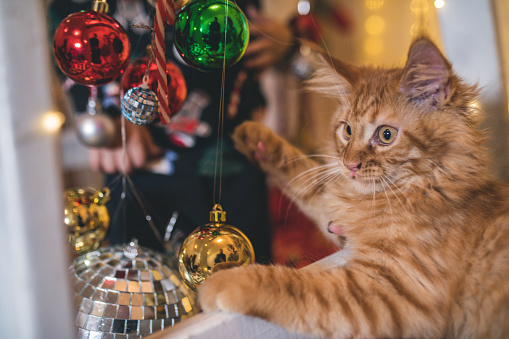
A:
(471, 43)
(35, 290)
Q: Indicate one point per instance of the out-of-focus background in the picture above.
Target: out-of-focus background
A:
(41, 156)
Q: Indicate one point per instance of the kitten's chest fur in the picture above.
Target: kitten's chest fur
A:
(430, 215)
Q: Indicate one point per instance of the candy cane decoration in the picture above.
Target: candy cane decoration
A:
(233, 105)
(165, 14)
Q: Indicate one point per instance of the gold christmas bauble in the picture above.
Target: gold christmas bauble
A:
(212, 247)
(86, 218)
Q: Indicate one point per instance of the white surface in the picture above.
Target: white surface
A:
(471, 43)
(35, 290)
(222, 325)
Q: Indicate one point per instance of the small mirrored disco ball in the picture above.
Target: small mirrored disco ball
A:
(140, 105)
(128, 292)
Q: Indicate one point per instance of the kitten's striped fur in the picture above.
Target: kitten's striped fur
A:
(427, 233)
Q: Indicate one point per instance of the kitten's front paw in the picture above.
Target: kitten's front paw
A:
(260, 144)
(227, 290)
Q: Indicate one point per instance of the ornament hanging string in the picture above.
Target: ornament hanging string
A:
(124, 177)
(146, 78)
(126, 180)
(165, 14)
(120, 213)
(220, 125)
(169, 17)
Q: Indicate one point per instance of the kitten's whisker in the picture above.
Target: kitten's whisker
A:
(307, 184)
(326, 180)
(318, 179)
(308, 175)
(405, 208)
(374, 199)
(374, 193)
(310, 171)
(386, 195)
(325, 183)
(308, 156)
(323, 180)
(399, 189)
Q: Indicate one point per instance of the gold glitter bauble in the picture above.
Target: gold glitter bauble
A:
(212, 247)
(86, 217)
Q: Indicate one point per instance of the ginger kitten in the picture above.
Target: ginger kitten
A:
(405, 186)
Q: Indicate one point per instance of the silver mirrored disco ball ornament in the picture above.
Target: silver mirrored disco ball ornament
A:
(140, 105)
(128, 292)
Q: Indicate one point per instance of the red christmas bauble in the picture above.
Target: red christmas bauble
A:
(307, 27)
(177, 88)
(91, 48)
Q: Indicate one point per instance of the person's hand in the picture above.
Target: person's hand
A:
(140, 148)
(270, 41)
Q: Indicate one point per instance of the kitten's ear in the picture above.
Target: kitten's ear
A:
(331, 77)
(427, 75)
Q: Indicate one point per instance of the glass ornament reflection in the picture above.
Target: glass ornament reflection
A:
(177, 87)
(91, 47)
(86, 218)
(213, 247)
(211, 34)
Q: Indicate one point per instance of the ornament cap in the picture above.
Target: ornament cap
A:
(100, 6)
(217, 215)
(132, 249)
(150, 51)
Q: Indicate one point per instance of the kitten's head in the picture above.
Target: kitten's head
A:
(405, 127)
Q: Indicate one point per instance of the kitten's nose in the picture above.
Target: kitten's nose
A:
(353, 167)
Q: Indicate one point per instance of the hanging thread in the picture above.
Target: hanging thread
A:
(220, 127)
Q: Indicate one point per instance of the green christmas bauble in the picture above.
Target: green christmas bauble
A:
(211, 33)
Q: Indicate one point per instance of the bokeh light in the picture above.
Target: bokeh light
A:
(439, 3)
(374, 4)
(374, 24)
(419, 6)
(303, 7)
(52, 121)
(418, 28)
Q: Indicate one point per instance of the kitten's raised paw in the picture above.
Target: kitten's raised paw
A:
(260, 144)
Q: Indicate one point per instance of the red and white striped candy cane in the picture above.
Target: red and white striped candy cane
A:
(165, 14)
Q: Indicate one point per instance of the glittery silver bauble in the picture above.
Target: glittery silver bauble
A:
(140, 105)
(125, 293)
(96, 130)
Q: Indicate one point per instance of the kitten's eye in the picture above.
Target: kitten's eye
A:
(347, 131)
(387, 134)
